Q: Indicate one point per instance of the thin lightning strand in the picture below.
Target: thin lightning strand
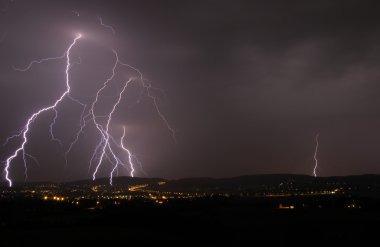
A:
(106, 26)
(24, 157)
(162, 116)
(129, 153)
(32, 158)
(52, 137)
(130, 158)
(315, 155)
(104, 143)
(140, 165)
(105, 133)
(38, 62)
(82, 125)
(148, 87)
(26, 129)
(9, 138)
(95, 154)
(93, 117)
(51, 126)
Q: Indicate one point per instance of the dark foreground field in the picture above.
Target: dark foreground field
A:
(202, 223)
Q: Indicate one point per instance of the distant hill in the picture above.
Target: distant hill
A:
(275, 182)
(249, 183)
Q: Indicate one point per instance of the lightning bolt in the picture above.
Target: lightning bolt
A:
(105, 132)
(130, 156)
(107, 148)
(28, 67)
(25, 131)
(315, 155)
(104, 149)
(104, 143)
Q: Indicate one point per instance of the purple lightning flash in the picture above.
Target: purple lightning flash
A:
(105, 149)
(315, 155)
(24, 132)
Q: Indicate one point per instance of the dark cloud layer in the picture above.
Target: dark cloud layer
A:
(247, 84)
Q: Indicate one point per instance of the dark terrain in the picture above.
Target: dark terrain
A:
(212, 220)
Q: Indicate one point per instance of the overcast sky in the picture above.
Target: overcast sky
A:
(246, 85)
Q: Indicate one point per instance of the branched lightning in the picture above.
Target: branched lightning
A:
(25, 130)
(107, 148)
(104, 149)
(315, 155)
(105, 132)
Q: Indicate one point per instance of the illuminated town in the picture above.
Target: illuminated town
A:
(289, 192)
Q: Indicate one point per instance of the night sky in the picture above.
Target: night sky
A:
(246, 85)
